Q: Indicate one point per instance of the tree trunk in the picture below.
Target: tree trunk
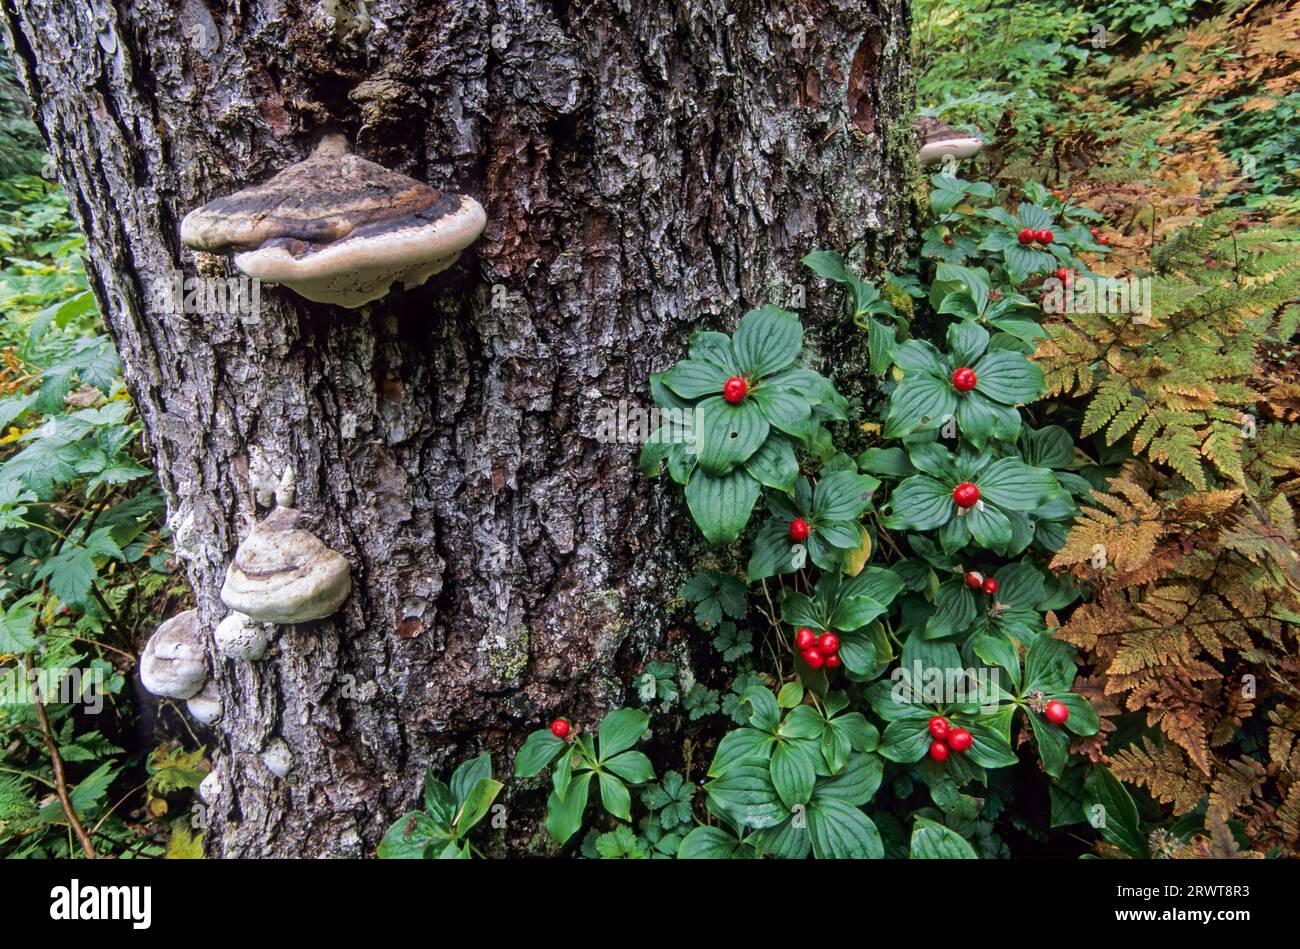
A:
(647, 168)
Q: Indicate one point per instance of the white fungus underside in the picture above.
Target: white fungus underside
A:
(355, 271)
(956, 147)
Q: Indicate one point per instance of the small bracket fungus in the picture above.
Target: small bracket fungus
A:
(337, 228)
(239, 636)
(281, 574)
(175, 663)
(939, 140)
(206, 706)
(210, 787)
(278, 758)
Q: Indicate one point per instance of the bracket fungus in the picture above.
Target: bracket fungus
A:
(206, 706)
(239, 636)
(336, 228)
(939, 140)
(174, 663)
(282, 574)
(210, 787)
(278, 758)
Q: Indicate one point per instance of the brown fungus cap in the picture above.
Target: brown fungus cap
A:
(337, 228)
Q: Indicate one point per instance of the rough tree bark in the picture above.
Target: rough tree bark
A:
(647, 168)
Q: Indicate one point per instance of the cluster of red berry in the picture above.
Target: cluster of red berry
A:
(966, 494)
(977, 581)
(1099, 237)
(799, 530)
(963, 379)
(1030, 236)
(735, 389)
(560, 728)
(947, 737)
(816, 650)
(1065, 275)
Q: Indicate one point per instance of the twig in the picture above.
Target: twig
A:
(60, 782)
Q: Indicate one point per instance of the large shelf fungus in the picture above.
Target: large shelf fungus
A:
(174, 663)
(337, 228)
(282, 574)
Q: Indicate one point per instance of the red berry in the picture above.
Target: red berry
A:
(832, 662)
(799, 529)
(828, 644)
(989, 586)
(1104, 241)
(813, 658)
(963, 380)
(948, 240)
(1093, 231)
(560, 728)
(966, 494)
(938, 751)
(973, 579)
(939, 727)
(735, 389)
(804, 638)
(1056, 713)
(1044, 236)
(959, 739)
(1027, 235)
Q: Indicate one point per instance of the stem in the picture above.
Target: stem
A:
(60, 782)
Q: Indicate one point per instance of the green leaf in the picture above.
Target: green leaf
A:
(729, 434)
(793, 772)
(840, 831)
(1111, 811)
(614, 796)
(564, 815)
(1010, 483)
(89, 792)
(932, 841)
(476, 803)
(712, 843)
(766, 340)
(745, 792)
(989, 526)
(739, 745)
(857, 652)
(16, 629)
(906, 739)
(538, 750)
(774, 464)
(632, 766)
(1053, 744)
(1049, 666)
(920, 503)
(842, 496)
(1008, 377)
(406, 839)
(954, 609)
(620, 730)
(71, 573)
(919, 404)
(721, 505)
(469, 774)
(694, 378)
(856, 784)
